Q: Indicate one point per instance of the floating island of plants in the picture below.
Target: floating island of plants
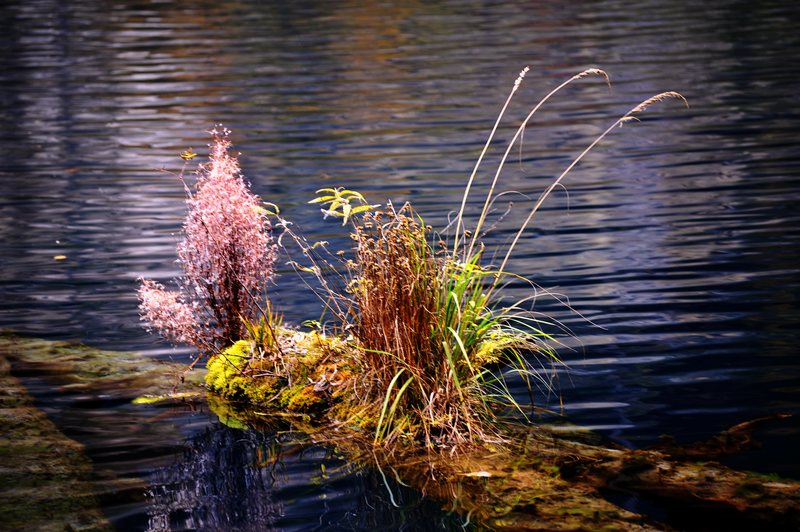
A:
(416, 345)
(417, 342)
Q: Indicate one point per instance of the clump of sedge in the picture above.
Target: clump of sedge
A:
(429, 335)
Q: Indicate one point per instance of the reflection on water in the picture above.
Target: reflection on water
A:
(231, 479)
(678, 237)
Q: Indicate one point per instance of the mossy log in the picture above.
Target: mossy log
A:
(540, 478)
(694, 493)
(77, 368)
(47, 482)
(45, 476)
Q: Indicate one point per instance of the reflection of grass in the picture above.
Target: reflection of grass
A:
(518, 488)
(556, 479)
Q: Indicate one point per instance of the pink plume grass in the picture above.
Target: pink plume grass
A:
(166, 313)
(227, 255)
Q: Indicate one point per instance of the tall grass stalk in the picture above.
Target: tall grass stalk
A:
(468, 187)
(517, 136)
(627, 117)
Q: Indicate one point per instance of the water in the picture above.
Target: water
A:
(678, 237)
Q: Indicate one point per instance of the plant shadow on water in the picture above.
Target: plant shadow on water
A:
(244, 479)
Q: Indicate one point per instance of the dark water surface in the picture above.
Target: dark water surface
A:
(679, 237)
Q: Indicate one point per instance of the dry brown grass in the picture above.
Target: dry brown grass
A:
(395, 289)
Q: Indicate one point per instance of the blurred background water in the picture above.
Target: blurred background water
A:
(678, 237)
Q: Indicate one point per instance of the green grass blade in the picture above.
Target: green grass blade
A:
(378, 429)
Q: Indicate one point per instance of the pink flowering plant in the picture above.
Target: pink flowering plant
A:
(226, 253)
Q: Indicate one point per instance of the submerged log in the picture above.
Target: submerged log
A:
(47, 481)
(45, 477)
(542, 479)
(551, 479)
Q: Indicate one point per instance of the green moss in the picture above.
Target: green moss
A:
(230, 376)
(302, 398)
(353, 415)
(226, 413)
(153, 399)
(222, 377)
(312, 366)
(239, 352)
(226, 372)
(45, 479)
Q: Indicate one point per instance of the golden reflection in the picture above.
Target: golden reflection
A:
(543, 477)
